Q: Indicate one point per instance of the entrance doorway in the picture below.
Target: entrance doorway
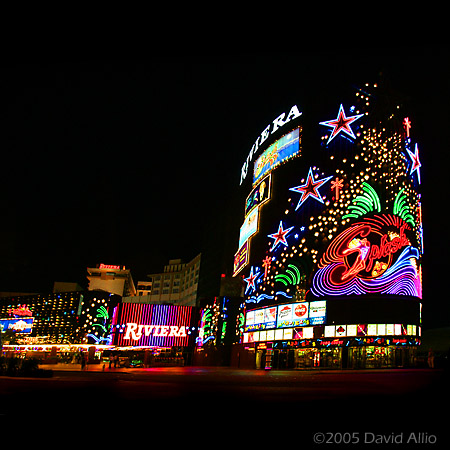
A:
(325, 358)
(373, 357)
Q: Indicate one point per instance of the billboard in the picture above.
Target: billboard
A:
(19, 325)
(292, 315)
(261, 319)
(259, 195)
(153, 325)
(240, 258)
(286, 316)
(284, 148)
(249, 227)
(305, 313)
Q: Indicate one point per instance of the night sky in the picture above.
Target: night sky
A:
(135, 162)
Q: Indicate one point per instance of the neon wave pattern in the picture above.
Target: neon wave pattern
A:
(402, 278)
(254, 299)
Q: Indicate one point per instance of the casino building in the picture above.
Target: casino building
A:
(331, 243)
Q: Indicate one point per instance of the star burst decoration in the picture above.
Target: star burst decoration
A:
(252, 279)
(415, 161)
(310, 188)
(341, 123)
(280, 235)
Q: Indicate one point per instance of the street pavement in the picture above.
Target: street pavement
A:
(203, 397)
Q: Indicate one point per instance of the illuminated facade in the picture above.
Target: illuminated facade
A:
(48, 326)
(114, 279)
(52, 318)
(178, 284)
(331, 244)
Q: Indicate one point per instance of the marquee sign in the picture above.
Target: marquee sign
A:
(135, 331)
(373, 256)
(153, 325)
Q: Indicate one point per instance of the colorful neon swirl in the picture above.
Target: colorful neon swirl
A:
(360, 260)
(402, 278)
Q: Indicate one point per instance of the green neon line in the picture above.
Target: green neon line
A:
(292, 275)
(347, 216)
(365, 202)
(281, 279)
(299, 277)
(358, 208)
(373, 194)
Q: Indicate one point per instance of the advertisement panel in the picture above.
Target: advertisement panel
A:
(284, 148)
(259, 195)
(249, 227)
(317, 312)
(240, 258)
(18, 325)
(261, 319)
(292, 315)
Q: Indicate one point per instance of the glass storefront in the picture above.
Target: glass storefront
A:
(338, 357)
(375, 357)
(309, 358)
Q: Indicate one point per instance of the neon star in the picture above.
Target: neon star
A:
(251, 280)
(341, 123)
(310, 188)
(280, 235)
(415, 162)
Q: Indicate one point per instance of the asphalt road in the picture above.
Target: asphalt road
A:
(205, 398)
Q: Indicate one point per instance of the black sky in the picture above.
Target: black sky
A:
(134, 162)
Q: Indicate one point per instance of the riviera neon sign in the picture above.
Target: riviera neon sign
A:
(134, 331)
(361, 260)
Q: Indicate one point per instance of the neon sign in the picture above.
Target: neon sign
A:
(415, 162)
(109, 266)
(341, 123)
(134, 331)
(241, 258)
(374, 256)
(252, 280)
(337, 185)
(20, 311)
(279, 122)
(153, 325)
(407, 125)
(280, 236)
(310, 188)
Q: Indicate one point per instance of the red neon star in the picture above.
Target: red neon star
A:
(251, 280)
(341, 123)
(310, 188)
(280, 236)
(415, 162)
